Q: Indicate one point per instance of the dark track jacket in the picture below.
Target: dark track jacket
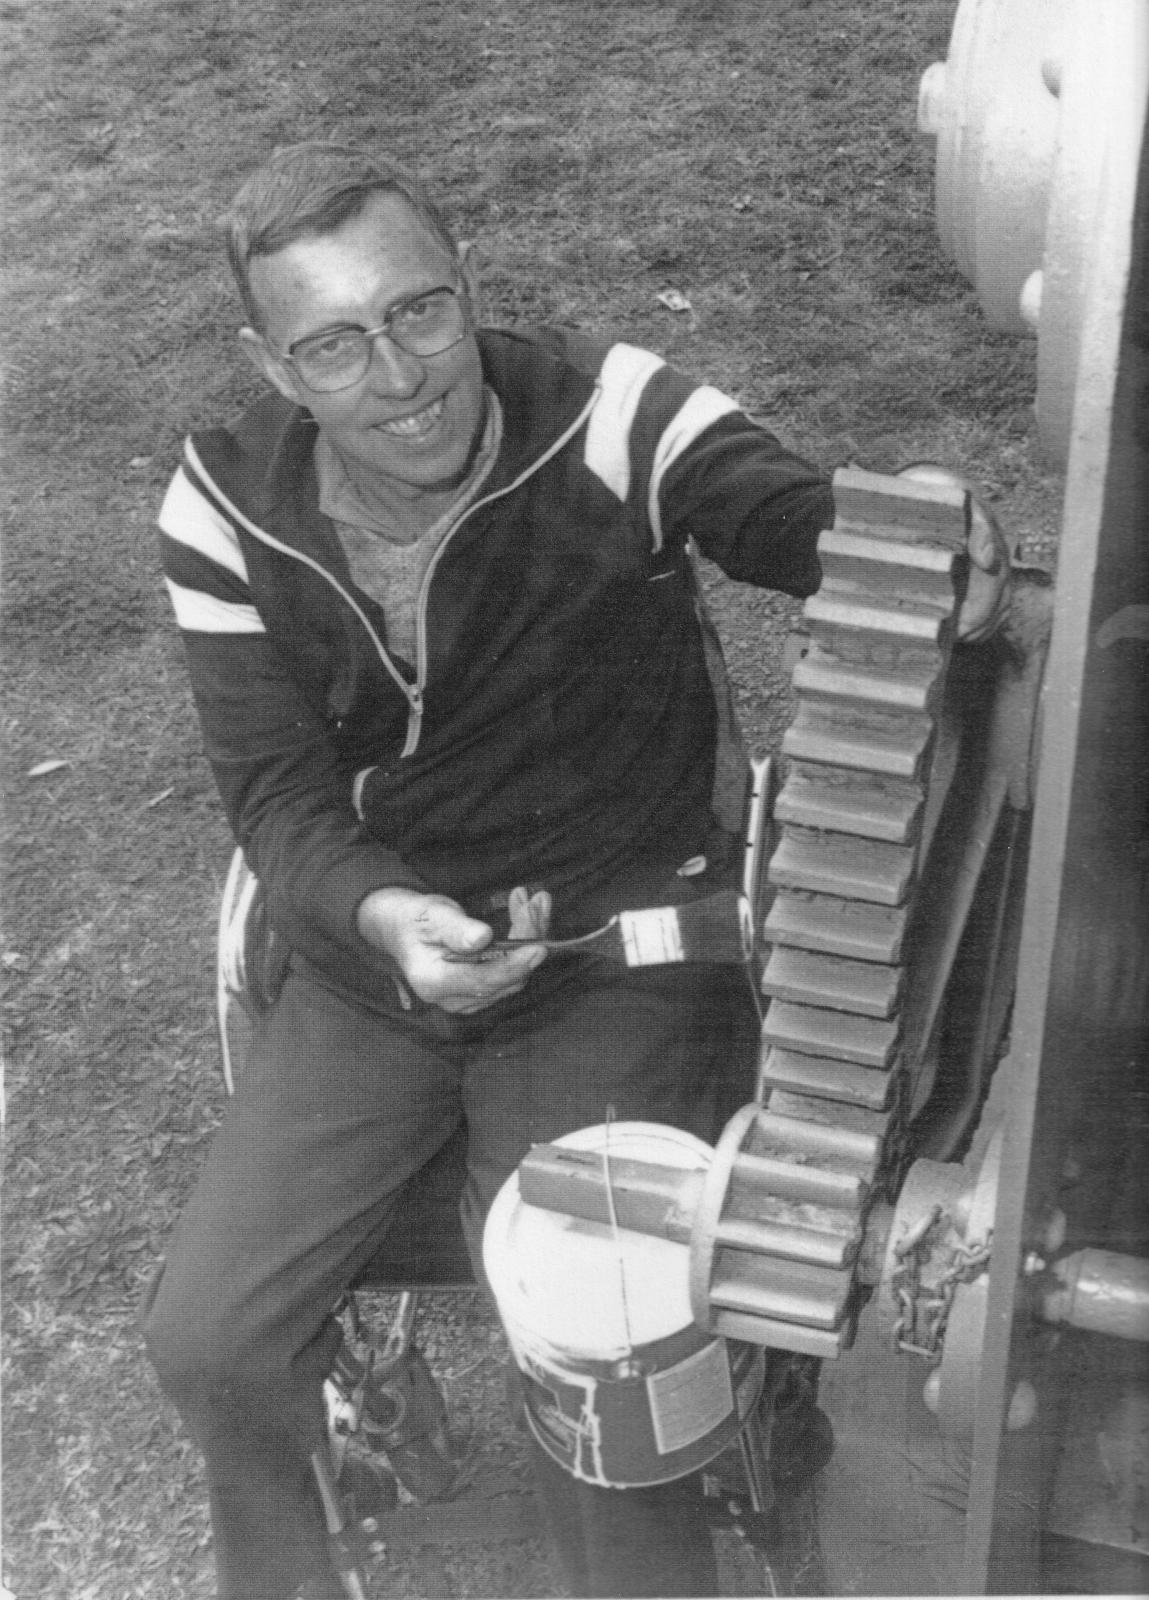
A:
(558, 726)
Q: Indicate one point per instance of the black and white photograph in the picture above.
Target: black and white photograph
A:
(575, 961)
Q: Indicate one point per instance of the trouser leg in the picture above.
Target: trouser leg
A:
(337, 1109)
(660, 1046)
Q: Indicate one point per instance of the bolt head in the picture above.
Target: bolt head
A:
(1030, 302)
(932, 1391)
(1022, 1407)
(932, 99)
(1056, 1229)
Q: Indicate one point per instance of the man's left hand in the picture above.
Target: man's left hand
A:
(986, 600)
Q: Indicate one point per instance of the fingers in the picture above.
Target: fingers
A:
(987, 546)
(530, 914)
(472, 986)
(464, 988)
(427, 934)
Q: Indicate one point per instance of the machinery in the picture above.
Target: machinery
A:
(950, 1109)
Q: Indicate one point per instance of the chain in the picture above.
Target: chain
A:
(924, 1308)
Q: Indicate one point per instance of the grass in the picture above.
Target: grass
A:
(760, 160)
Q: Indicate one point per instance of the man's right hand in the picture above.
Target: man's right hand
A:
(420, 931)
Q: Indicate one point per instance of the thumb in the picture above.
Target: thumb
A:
(447, 924)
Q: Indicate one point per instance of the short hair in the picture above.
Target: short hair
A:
(313, 188)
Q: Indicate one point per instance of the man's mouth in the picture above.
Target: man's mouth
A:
(417, 423)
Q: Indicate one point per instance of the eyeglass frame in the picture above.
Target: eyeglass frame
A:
(370, 335)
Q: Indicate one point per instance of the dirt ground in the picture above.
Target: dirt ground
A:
(762, 161)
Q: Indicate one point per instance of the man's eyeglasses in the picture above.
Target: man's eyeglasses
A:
(425, 325)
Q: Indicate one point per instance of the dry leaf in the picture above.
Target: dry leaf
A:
(674, 300)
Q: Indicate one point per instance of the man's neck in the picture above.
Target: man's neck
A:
(404, 515)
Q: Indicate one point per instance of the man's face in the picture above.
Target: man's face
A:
(411, 421)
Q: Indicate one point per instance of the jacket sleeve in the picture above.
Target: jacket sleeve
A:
(749, 504)
(694, 466)
(285, 788)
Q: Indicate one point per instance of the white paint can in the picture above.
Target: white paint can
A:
(620, 1387)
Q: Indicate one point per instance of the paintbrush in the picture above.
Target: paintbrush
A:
(717, 928)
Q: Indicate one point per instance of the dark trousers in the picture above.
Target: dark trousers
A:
(338, 1108)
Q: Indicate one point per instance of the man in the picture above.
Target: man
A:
(444, 638)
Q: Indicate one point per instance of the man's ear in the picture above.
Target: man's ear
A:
(265, 361)
(471, 264)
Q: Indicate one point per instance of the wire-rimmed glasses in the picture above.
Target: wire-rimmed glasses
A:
(427, 324)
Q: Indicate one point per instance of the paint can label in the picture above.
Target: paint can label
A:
(652, 1425)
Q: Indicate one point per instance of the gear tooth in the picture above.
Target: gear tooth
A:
(823, 677)
(833, 1113)
(858, 625)
(843, 865)
(858, 804)
(833, 1035)
(828, 1079)
(850, 928)
(884, 569)
(912, 511)
(868, 988)
(787, 1292)
(829, 736)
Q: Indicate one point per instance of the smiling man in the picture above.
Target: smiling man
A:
(438, 601)
(402, 413)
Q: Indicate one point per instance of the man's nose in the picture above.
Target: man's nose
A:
(394, 371)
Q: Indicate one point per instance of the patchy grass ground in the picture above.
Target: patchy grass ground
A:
(760, 160)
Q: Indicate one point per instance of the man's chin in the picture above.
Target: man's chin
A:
(434, 476)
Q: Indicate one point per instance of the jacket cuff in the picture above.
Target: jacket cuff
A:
(347, 884)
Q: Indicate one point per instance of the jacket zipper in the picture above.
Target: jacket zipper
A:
(412, 692)
(414, 726)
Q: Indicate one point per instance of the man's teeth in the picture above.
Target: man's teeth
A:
(418, 422)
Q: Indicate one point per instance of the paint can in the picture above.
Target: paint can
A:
(620, 1387)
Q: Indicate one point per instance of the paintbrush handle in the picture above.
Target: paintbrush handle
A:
(717, 928)
(601, 943)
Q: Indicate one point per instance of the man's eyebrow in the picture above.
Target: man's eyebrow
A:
(331, 327)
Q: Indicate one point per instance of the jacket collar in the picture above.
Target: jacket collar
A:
(541, 391)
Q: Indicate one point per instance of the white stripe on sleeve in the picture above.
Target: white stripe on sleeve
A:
(203, 613)
(703, 407)
(188, 518)
(623, 378)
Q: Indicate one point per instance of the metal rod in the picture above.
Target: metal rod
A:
(648, 1197)
(1100, 1291)
(752, 1444)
